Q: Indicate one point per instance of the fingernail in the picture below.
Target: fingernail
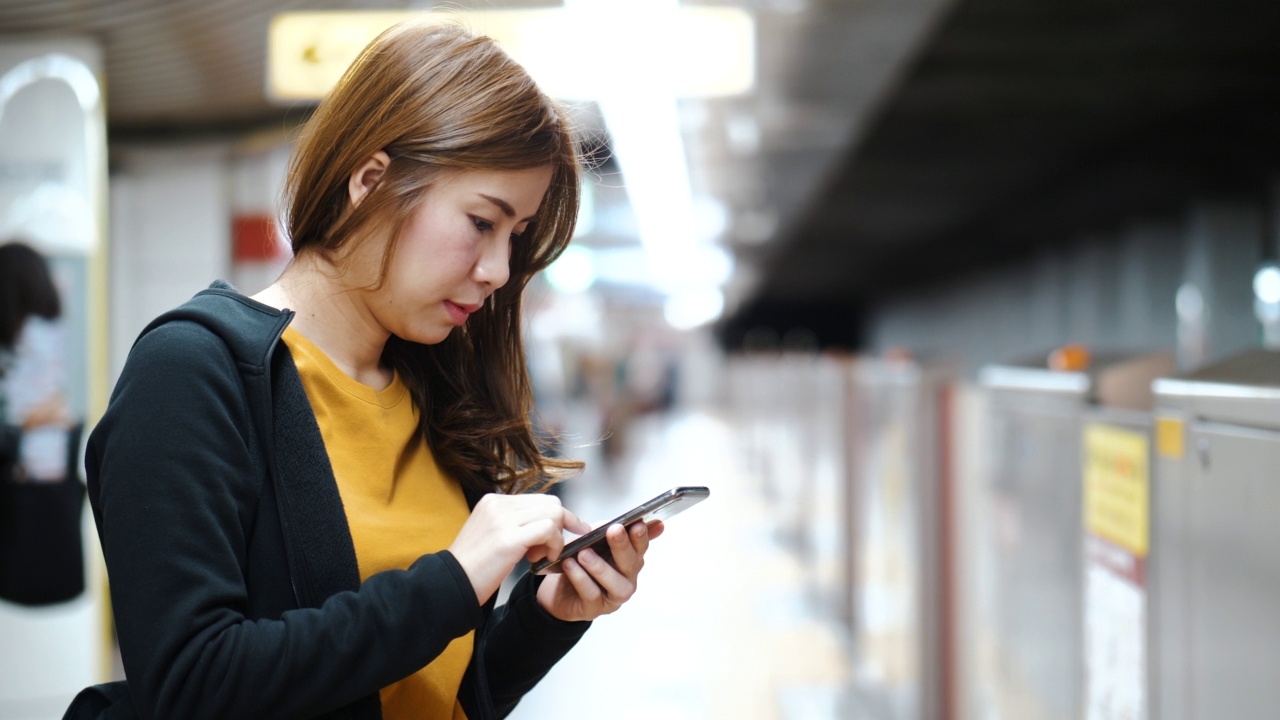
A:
(587, 556)
(642, 530)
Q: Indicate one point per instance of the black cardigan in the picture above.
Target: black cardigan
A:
(233, 575)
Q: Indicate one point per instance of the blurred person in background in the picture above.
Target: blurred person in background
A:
(41, 494)
(309, 499)
(33, 378)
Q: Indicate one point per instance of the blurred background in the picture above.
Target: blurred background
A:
(964, 309)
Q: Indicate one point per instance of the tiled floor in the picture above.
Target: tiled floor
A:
(721, 626)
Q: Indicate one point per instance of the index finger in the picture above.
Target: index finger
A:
(574, 524)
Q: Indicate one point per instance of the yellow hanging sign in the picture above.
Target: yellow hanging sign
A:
(1117, 486)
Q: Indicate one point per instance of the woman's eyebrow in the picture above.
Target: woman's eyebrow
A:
(504, 206)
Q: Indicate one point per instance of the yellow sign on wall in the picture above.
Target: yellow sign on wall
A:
(1169, 437)
(1117, 486)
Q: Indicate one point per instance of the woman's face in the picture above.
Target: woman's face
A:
(455, 250)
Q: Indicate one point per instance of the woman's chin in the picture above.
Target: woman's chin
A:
(431, 336)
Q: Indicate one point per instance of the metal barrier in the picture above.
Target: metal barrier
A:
(1214, 572)
(1034, 615)
(1043, 423)
(899, 532)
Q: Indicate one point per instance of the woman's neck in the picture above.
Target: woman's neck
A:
(332, 314)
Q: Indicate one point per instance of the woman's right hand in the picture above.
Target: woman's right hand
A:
(504, 528)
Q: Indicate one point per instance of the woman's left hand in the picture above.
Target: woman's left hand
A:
(588, 586)
(49, 412)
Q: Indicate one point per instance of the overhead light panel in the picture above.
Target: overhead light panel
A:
(573, 54)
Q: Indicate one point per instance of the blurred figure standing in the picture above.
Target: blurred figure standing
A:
(41, 495)
(32, 365)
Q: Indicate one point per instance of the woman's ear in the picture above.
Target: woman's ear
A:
(366, 176)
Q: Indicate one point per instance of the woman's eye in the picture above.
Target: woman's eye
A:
(482, 225)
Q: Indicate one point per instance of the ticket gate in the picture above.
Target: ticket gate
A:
(1044, 425)
(1215, 570)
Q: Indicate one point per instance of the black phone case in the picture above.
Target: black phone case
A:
(663, 506)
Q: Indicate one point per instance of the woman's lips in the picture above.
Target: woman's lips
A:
(459, 313)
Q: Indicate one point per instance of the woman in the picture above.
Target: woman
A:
(309, 499)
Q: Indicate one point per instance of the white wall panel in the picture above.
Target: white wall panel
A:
(170, 235)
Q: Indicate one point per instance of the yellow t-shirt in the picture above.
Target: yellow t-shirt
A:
(399, 504)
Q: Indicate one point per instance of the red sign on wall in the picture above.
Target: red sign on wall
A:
(254, 239)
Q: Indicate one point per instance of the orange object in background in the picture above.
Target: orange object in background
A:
(1069, 358)
(898, 353)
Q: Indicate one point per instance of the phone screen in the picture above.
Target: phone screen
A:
(661, 507)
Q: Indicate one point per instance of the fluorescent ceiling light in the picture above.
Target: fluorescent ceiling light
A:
(686, 311)
(1266, 284)
(573, 54)
(671, 272)
(573, 271)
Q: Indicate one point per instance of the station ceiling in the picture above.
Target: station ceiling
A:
(890, 145)
(1022, 125)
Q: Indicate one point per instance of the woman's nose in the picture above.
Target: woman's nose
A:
(493, 268)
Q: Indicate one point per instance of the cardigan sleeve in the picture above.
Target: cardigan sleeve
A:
(174, 477)
(522, 642)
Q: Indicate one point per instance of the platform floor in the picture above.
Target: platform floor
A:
(722, 625)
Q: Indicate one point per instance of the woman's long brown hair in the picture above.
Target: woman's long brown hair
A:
(439, 99)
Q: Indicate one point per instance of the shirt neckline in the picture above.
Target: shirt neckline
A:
(386, 398)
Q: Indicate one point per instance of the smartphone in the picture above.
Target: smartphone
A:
(661, 507)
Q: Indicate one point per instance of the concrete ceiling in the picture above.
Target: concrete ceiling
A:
(1022, 124)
